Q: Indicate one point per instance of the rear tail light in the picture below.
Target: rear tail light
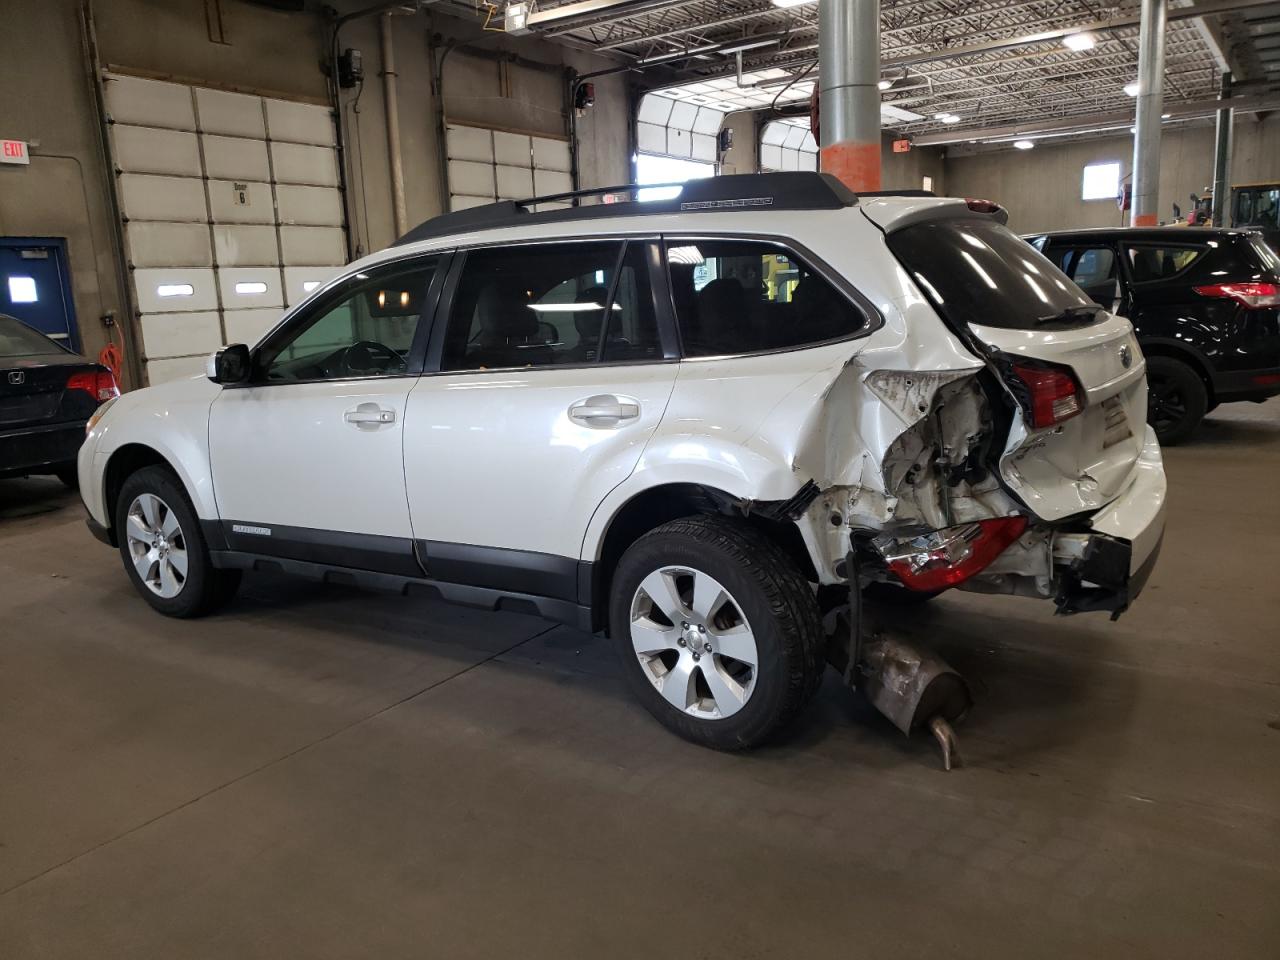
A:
(949, 556)
(100, 385)
(982, 206)
(1251, 296)
(1052, 393)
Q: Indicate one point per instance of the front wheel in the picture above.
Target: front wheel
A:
(1177, 399)
(717, 630)
(163, 547)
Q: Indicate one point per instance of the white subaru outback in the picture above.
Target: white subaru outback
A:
(695, 424)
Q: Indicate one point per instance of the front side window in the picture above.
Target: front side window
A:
(1159, 263)
(742, 296)
(366, 330)
(541, 305)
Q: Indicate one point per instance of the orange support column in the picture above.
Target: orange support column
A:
(849, 99)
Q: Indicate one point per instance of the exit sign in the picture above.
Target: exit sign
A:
(902, 146)
(14, 151)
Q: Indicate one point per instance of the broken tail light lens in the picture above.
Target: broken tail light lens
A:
(1251, 296)
(946, 557)
(1052, 393)
(101, 385)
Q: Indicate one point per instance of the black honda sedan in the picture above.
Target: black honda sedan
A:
(47, 393)
(1204, 303)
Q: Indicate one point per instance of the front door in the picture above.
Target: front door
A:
(1093, 267)
(307, 458)
(552, 377)
(35, 287)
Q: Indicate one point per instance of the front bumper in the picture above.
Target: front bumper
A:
(1115, 558)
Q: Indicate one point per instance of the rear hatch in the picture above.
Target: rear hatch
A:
(1034, 326)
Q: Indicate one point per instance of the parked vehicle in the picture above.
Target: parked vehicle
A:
(46, 395)
(1252, 206)
(1205, 305)
(689, 423)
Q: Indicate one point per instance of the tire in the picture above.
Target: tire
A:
(70, 479)
(164, 528)
(1177, 399)
(747, 583)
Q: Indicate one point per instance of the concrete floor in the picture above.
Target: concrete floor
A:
(321, 773)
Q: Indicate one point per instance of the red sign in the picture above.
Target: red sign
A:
(14, 151)
(902, 146)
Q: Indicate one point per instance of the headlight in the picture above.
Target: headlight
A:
(98, 415)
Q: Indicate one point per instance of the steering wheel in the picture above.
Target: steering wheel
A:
(368, 356)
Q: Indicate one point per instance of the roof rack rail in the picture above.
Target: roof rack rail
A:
(744, 191)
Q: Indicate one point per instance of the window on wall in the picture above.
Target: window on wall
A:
(1101, 181)
(654, 169)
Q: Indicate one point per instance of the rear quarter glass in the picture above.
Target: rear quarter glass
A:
(1236, 258)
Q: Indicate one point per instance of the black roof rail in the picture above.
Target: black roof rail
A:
(744, 191)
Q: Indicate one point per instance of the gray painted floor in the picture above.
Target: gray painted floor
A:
(322, 773)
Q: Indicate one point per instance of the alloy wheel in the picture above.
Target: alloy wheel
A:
(694, 642)
(1167, 407)
(157, 545)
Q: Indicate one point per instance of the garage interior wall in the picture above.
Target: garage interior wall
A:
(48, 101)
(1041, 187)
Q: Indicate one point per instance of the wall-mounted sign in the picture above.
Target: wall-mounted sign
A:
(240, 194)
(14, 151)
(902, 146)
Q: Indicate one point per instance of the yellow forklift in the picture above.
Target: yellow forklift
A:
(1254, 206)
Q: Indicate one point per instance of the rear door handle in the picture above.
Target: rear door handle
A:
(369, 414)
(604, 410)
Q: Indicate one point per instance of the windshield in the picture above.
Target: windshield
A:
(19, 340)
(977, 271)
(1257, 206)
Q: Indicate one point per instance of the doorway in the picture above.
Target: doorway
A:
(35, 286)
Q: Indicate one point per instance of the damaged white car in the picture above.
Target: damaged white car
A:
(708, 426)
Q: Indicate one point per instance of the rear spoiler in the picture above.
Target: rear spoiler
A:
(895, 213)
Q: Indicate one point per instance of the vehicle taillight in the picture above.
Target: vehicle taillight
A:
(1054, 394)
(982, 206)
(100, 385)
(951, 555)
(1251, 295)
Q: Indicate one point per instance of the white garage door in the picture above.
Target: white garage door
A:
(231, 212)
(487, 165)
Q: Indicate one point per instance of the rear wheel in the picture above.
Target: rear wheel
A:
(163, 547)
(717, 630)
(1177, 399)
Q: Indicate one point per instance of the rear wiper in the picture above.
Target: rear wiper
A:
(1083, 312)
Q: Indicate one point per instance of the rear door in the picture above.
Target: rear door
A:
(550, 377)
(1093, 266)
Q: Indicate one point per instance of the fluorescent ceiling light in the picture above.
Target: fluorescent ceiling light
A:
(784, 4)
(1079, 41)
(1133, 88)
(883, 84)
(941, 116)
(1023, 144)
(950, 118)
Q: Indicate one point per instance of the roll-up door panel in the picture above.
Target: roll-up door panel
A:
(245, 288)
(471, 179)
(301, 282)
(155, 244)
(300, 122)
(180, 334)
(312, 246)
(241, 201)
(512, 149)
(460, 202)
(230, 114)
(153, 150)
(175, 290)
(149, 102)
(470, 143)
(146, 197)
(250, 326)
(235, 158)
(309, 206)
(301, 163)
(183, 368)
(246, 246)
(551, 154)
(547, 182)
(514, 183)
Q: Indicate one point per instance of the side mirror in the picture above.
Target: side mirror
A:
(231, 364)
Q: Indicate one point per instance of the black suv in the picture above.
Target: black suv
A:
(1205, 304)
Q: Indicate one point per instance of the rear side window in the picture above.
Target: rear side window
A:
(1148, 262)
(976, 271)
(740, 296)
(542, 305)
(19, 340)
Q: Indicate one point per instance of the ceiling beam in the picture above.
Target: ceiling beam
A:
(1119, 119)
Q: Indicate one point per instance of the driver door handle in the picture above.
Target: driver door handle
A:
(369, 413)
(604, 410)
